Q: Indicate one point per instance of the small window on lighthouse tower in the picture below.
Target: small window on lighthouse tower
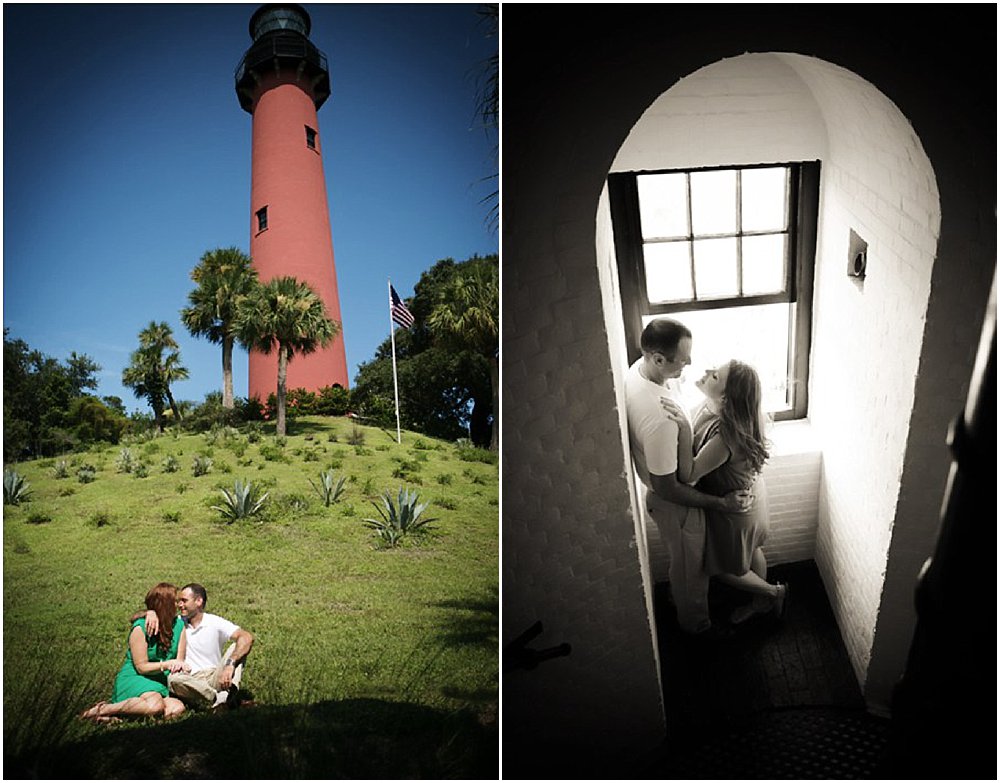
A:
(310, 138)
(262, 218)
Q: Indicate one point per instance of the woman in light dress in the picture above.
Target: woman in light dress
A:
(722, 448)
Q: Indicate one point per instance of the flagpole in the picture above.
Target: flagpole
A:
(395, 383)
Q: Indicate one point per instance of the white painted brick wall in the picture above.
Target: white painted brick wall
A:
(866, 340)
(750, 109)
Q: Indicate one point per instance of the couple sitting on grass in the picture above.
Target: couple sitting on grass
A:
(176, 660)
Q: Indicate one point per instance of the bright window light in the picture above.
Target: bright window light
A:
(757, 335)
(663, 208)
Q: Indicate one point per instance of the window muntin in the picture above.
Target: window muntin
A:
(729, 252)
(729, 222)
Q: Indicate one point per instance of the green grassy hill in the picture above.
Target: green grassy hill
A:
(369, 661)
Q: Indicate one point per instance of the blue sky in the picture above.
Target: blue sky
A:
(127, 155)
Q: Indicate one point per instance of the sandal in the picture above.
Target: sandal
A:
(780, 604)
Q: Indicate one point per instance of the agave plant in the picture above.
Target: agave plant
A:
(327, 488)
(398, 518)
(61, 469)
(201, 465)
(241, 503)
(125, 461)
(15, 489)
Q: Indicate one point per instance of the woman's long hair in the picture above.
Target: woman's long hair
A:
(741, 415)
(162, 599)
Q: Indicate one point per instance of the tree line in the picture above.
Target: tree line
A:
(447, 362)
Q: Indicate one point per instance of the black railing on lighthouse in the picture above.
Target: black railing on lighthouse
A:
(279, 51)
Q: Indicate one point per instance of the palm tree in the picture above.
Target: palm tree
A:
(155, 339)
(224, 277)
(488, 101)
(467, 317)
(142, 376)
(173, 371)
(150, 373)
(286, 314)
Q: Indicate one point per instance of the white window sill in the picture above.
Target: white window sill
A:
(793, 437)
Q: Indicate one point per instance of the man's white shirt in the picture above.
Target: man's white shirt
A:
(206, 642)
(652, 435)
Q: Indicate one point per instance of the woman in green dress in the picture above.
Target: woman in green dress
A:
(140, 689)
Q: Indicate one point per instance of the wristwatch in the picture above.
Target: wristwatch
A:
(228, 662)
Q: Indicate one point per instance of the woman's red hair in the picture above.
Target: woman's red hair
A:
(162, 599)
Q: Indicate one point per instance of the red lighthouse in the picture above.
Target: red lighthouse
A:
(282, 81)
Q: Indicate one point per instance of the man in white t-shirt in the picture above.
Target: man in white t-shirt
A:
(213, 679)
(675, 507)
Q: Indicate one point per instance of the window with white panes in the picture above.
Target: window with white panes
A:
(729, 252)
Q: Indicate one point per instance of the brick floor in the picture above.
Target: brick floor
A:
(778, 700)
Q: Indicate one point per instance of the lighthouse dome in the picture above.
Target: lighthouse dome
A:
(279, 17)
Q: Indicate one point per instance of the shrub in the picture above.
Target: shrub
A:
(125, 461)
(329, 490)
(172, 517)
(357, 436)
(273, 453)
(400, 519)
(201, 465)
(368, 486)
(361, 451)
(223, 467)
(181, 488)
(139, 470)
(444, 478)
(300, 401)
(407, 470)
(447, 503)
(61, 469)
(170, 464)
(86, 473)
(100, 519)
(290, 504)
(468, 453)
(210, 414)
(38, 518)
(65, 492)
(241, 503)
(332, 401)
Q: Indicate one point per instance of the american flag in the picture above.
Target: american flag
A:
(400, 313)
